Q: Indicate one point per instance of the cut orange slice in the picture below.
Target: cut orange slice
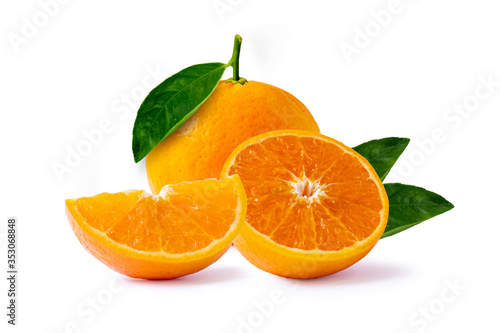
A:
(183, 229)
(315, 206)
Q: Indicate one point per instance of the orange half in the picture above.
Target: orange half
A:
(183, 229)
(315, 206)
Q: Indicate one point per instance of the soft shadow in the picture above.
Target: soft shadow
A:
(216, 274)
(362, 272)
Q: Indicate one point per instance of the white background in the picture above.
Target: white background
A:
(80, 65)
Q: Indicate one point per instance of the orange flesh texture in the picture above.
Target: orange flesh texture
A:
(182, 221)
(308, 194)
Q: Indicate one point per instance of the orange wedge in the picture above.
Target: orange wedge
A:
(315, 206)
(183, 229)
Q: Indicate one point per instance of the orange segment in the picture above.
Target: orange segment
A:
(187, 227)
(309, 196)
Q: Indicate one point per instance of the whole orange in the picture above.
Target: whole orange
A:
(232, 114)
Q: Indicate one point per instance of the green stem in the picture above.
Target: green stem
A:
(235, 62)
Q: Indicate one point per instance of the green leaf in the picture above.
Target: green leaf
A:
(409, 205)
(383, 153)
(171, 103)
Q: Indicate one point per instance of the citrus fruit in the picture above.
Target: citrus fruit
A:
(184, 229)
(232, 114)
(315, 206)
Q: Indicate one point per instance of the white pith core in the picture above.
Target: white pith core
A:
(165, 191)
(307, 190)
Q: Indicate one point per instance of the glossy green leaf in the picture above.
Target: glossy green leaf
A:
(382, 153)
(410, 205)
(171, 103)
